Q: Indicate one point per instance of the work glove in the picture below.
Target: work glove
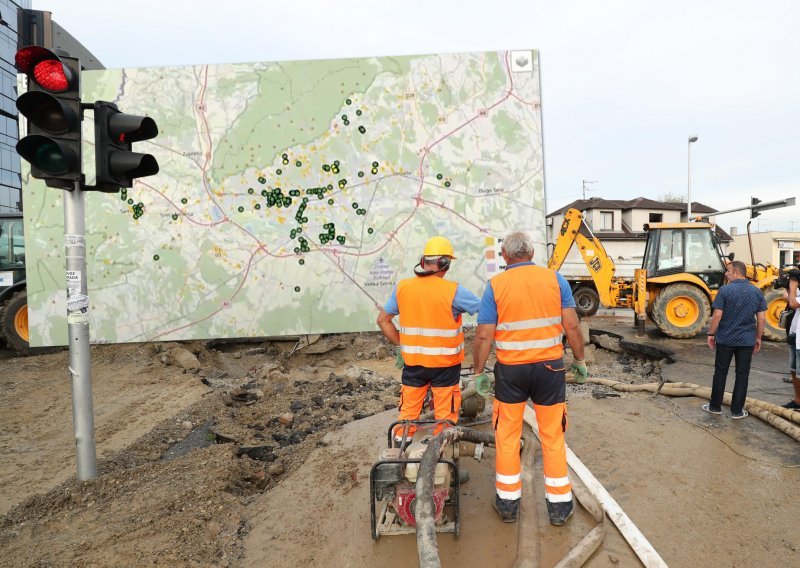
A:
(580, 372)
(398, 359)
(483, 384)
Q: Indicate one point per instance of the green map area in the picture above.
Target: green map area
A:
(293, 196)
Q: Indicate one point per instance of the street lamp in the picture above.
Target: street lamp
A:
(692, 138)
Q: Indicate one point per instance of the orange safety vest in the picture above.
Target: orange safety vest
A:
(528, 300)
(429, 336)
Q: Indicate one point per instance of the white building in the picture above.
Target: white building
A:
(779, 248)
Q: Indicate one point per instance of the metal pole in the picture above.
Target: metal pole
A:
(689, 184)
(78, 332)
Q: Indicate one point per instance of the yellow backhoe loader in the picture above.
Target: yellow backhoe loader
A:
(682, 270)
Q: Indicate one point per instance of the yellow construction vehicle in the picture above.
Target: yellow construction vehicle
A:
(682, 270)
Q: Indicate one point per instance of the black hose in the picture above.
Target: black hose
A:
(427, 548)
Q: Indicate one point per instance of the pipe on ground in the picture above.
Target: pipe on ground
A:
(427, 548)
(777, 416)
(640, 545)
(528, 520)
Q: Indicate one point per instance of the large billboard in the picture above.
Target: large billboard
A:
(292, 196)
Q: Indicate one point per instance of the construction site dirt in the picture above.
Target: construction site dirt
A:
(258, 454)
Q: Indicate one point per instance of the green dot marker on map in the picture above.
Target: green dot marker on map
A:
(250, 190)
(156, 257)
(355, 205)
(298, 163)
(447, 184)
(174, 216)
(279, 171)
(344, 117)
(358, 112)
(257, 206)
(296, 250)
(370, 230)
(264, 192)
(240, 209)
(361, 129)
(361, 174)
(375, 164)
(330, 202)
(336, 163)
(262, 180)
(340, 239)
(184, 201)
(439, 176)
(301, 262)
(349, 101)
(297, 288)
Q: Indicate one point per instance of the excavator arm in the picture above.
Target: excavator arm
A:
(574, 230)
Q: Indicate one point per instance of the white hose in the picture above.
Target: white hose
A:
(643, 549)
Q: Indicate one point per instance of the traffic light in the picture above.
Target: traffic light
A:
(114, 133)
(753, 211)
(52, 106)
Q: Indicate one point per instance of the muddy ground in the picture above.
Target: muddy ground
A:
(255, 454)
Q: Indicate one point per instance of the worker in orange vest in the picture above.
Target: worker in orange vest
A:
(526, 310)
(430, 336)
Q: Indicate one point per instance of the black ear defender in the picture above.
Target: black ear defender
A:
(442, 264)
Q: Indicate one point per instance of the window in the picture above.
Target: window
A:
(701, 252)
(606, 220)
(656, 217)
(670, 250)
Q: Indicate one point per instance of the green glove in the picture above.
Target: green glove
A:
(580, 371)
(398, 360)
(483, 384)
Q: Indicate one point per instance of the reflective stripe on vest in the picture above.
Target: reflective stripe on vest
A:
(429, 335)
(528, 300)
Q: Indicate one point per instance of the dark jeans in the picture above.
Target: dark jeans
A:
(722, 362)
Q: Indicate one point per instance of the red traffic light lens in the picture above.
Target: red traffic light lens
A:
(44, 67)
(50, 74)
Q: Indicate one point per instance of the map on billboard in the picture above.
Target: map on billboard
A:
(293, 196)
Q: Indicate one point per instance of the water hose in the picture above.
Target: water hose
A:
(427, 548)
(640, 545)
(781, 418)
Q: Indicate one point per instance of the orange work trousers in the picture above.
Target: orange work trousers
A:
(544, 384)
(446, 406)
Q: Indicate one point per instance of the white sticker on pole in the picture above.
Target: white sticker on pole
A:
(77, 318)
(77, 303)
(73, 278)
(6, 278)
(74, 240)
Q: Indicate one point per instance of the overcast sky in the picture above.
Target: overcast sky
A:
(624, 82)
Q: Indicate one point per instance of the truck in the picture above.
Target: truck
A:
(13, 288)
(682, 270)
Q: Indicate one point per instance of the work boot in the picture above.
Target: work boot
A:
(508, 509)
(559, 512)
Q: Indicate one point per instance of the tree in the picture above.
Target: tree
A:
(668, 197)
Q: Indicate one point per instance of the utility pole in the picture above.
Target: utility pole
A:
(585, 189)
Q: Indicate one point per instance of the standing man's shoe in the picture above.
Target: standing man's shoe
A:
(559, 512)
(508, 509)
(791, 405)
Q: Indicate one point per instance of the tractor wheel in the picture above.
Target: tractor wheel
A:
(14, 322)
(587, 301)
(776, 303)
(681, 310)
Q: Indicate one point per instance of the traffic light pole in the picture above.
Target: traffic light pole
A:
(78, 332)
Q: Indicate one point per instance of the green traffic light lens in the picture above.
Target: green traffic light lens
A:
(50, 159)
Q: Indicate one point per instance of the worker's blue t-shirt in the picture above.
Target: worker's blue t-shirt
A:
(464, 301)
(488, 309)
(739, 301)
